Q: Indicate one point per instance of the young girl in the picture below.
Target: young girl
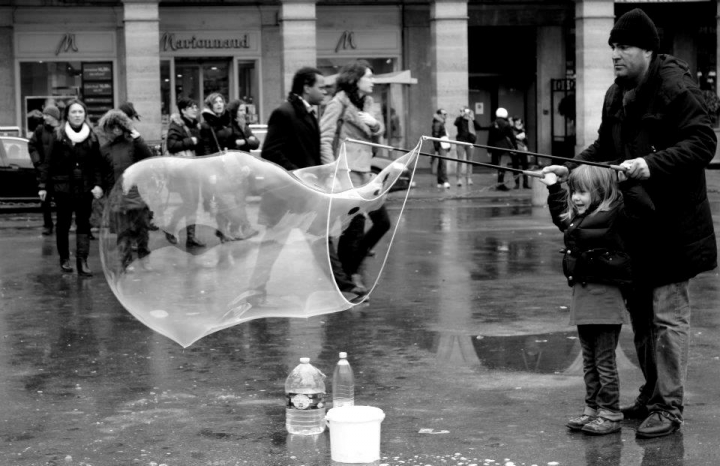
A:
(596, 218)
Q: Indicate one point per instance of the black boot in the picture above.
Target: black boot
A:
(83, 250)
(191, 240)
(65, 266)
(82, 267)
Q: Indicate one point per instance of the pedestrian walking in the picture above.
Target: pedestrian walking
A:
(501, 136)
(293, 142)
(245, 140)
(519, 158)
(439, 131)
(466, 132)
(235, 221)
(130, 215)
(72, 172)
(216, 133)
(656, 125)
(349, 114)
(183, 140)
(39, 146)
(595, 216)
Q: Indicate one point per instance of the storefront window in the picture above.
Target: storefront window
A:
(165, 103)
(57, 82)
(248, 89)
(198, 78)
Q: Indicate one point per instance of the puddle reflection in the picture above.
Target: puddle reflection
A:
(542, 353)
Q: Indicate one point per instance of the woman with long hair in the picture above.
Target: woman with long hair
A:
(216, 132)
(349, 114)
(73, 169)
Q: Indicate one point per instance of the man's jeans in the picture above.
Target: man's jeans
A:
(602, 383)
(662, 342)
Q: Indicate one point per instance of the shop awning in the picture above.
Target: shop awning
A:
(396, 77)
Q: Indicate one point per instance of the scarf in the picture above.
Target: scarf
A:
(77, 137)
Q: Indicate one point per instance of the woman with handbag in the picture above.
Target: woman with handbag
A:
(183, 139)
(349, 114)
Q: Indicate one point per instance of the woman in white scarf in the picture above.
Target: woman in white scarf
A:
(74, 170)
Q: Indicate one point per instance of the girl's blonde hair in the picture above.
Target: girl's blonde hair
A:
(600, 182)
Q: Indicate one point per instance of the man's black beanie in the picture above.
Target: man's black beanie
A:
(637, 29)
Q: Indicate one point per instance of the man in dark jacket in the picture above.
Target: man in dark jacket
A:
(39, 146)
(501, 135)
(293, 141)
(655, 124)
(293, 135)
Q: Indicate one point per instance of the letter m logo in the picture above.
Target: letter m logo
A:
(67, 44)
(346, 41)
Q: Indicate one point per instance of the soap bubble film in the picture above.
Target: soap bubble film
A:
(191, 246)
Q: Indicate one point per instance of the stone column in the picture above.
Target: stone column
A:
(449, 55)
(550, 65)
(142, 64)
(299, 41)
(7, 69)
(593, 61)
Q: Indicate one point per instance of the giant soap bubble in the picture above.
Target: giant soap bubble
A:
(191, 246)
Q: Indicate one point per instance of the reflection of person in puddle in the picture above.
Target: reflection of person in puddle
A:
(594, 216)
(603, 451)
(667, 452)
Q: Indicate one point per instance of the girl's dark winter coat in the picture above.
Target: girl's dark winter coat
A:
(216, 133)
(72, 168)
(595, 243)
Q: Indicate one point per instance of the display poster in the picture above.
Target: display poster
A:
(97, 88)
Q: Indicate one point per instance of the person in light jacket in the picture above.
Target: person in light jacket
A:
(349, 114)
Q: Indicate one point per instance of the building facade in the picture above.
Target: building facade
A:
(546, 61)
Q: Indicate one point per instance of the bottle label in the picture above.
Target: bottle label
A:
(305, 400)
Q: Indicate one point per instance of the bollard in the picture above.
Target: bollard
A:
(539, 193)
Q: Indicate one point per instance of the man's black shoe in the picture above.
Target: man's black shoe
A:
(637, 410)
(502, 187)
(658, 424)
(47, 231)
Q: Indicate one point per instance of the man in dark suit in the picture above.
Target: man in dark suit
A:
(293, 142)
(293, 136)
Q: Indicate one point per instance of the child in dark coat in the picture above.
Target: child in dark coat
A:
(597, 220)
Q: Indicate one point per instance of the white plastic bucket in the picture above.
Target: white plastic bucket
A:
(355, 433)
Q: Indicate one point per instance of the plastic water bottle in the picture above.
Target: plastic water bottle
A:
(343, 383)
(305, 400)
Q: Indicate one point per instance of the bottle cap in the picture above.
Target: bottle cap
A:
(343, 355)
(304, 360)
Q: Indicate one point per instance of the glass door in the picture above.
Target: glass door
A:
(197, 78)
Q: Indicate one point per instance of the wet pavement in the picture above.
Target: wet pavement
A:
(464, 345)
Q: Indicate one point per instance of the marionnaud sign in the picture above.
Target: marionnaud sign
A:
(170, 42)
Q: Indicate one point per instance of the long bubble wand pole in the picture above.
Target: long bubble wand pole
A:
(469, 162)
(504, 149)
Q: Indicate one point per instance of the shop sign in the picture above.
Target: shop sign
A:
(168, 42)
(346, 41)
(97, 71)
(380, 42)
(66, 44)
